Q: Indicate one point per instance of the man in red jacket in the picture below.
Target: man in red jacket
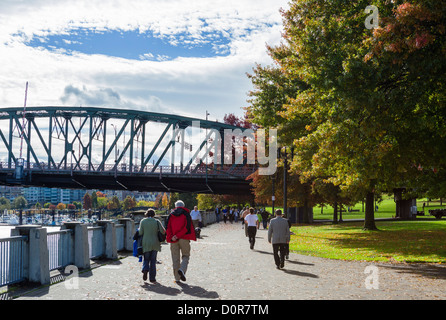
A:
(179, 232)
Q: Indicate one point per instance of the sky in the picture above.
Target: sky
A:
(170, 56)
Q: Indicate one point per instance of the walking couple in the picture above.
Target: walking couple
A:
(278, 235)
(178, 233)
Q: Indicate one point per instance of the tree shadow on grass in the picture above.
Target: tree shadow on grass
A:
(426, 270)
(419, 248)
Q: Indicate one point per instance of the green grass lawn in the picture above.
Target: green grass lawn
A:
(396, 241)
(386, 209)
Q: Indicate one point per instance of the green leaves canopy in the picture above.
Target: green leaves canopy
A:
(364, 108)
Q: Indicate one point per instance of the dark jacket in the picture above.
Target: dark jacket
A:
(179, 223)
(137, 242)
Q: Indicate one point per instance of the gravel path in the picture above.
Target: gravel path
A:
(223, 267)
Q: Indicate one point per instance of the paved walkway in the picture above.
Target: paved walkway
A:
(223, 267)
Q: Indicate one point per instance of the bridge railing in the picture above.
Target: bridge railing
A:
(201, 169)
(60, 248)
(12, 259)
(32, 258)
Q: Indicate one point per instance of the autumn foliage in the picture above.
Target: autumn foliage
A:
(362, 108)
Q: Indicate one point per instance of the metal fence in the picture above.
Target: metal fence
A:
(96, 241)
(60, 248)
(12, 255)
(120, 237)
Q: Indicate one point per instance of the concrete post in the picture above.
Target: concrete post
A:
(129, 231)
(37, 269)
(81, 249)
(111, 251)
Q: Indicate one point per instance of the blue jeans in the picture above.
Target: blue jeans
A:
(149, 264)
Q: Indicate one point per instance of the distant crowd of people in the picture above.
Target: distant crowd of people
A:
(183, 226)
(233, 214)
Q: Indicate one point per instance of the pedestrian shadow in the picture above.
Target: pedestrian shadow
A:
(197, 291)
(299, 273)
(300, 263)
(288, 261)
(161, 289)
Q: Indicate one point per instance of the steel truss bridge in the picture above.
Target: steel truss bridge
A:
(115, 149)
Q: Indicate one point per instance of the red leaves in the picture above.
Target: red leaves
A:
(411, 28)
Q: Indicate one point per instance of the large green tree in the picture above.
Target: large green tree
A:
(20, 202)
(362, 112)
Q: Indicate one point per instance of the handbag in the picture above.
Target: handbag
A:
(161, 236)
(138, 243)
(139, 249)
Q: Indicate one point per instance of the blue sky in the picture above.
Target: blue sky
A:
(171, 56)
(134, 44)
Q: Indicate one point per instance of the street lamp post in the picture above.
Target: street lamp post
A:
(273, 197)
(285, 182)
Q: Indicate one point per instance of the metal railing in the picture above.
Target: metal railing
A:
(120, 237)
(12, 259)
(14, 251)
(197, 169)
(96, 242)
(60, 248)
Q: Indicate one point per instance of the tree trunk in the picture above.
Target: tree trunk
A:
(369, 220)
(306, 218)
(335, 213)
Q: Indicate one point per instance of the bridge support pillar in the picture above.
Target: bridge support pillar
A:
(111, 251)
(129, 231)
(81, 250)
(37, 267)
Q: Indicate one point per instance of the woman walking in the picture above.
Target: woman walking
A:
(148, 230)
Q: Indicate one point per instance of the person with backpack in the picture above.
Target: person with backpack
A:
(179, 233)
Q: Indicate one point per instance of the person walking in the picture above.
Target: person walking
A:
(179, 233)
(265, 217)
(217, 214)
(279, 236)
(259, 216)
(243, 216)
(196, 217)
(252, 223)
(148, 231)
(225, 214)
(231, 215)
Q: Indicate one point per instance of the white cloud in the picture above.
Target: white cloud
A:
(186, 86)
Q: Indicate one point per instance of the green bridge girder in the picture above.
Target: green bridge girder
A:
(77, 147)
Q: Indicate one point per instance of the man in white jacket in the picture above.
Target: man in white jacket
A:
(279, 236)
